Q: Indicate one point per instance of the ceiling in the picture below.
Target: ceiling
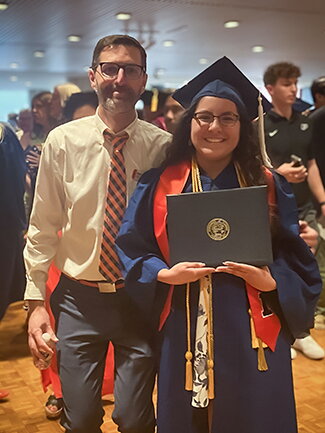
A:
(292, 30)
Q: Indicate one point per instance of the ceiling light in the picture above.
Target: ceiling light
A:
(73, 38)
(86, 68)
(28, 83)
(258, 49)
(13, 78)
(123, 16)
(39, 53)
(14, 65)
(203, 61)
(3, 6)
(231, 24)
(168, 43)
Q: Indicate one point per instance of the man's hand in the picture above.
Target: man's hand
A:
(291, 173)
(260, 278)
(33, 158)
(309, 235)
(184, 272)
(38, 324)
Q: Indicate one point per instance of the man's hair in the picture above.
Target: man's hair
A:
(318, 86)
(280, 70)
(115, 40)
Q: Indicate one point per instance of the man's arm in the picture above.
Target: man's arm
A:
(41, 246)
(315, 184)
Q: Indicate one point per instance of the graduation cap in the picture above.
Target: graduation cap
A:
(233, 83)
(155, 99)
(224, 80)
(300, 105)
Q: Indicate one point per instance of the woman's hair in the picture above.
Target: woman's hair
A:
(45, 99)
(247, 153)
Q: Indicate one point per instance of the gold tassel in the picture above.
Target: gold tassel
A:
(210, 379)
(261, 361)
(188, 371)
(154, 100)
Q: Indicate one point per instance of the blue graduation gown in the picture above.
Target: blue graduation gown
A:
(12, 218)
(246, 399)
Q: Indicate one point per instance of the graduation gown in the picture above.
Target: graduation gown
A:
(246, 400)
(12, 218)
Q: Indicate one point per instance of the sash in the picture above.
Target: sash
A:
(172, 181)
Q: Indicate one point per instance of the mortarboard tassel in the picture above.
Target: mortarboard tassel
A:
(261, 137)
(154, 100)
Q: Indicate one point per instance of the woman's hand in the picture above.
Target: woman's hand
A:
(260, 278)
(33, 158)
(184, 272)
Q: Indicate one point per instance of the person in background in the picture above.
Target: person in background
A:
(172, 113)
(80, 105)
(214, 329)
(77, 106)
(288, 133)
(60, 95)
(317, 117)
(12, 218)
(89, 168)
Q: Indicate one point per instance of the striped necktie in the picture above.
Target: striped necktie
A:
(114, 208)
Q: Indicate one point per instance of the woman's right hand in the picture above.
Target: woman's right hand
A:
(184, 272)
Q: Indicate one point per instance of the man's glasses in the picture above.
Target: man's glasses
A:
(110, 70)
(204, 118)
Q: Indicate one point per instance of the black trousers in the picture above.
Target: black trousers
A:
(86, 320)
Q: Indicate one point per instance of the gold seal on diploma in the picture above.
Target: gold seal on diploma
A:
(218, 229)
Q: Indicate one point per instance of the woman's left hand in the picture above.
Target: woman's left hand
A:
(260, 278)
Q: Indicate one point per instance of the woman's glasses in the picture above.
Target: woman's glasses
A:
(204, 118)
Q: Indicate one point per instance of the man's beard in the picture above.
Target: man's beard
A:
(122, 104)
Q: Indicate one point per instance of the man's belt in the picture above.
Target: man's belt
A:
(102, 285)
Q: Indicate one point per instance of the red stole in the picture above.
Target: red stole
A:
(172, 181)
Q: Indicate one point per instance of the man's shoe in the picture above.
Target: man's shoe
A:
(293, 353)
(309, 347)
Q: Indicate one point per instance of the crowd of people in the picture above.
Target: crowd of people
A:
(85, 196)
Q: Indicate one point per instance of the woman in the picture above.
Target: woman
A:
(61, 94)
(242, 379)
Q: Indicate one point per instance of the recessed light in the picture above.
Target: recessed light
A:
(3, 6)
(159, 72)
(86, 68)
(74, 38)
(28, 83)
(123, 16)
(168, 43)
(258, 49)
(14, 65)
(13, 78)
(39, 53)
(231, 24)
(203, 61)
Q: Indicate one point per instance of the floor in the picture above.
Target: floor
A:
(23, 411)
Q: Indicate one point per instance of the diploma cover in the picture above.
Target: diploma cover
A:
(215, 226)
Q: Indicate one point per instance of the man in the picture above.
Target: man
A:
(172, 113)
(289, 133)
(80, 191)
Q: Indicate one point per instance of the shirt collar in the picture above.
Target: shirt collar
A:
(101, 125)
(277, 117)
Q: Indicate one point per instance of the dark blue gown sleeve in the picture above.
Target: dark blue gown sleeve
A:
(294, 268)
(138, 251)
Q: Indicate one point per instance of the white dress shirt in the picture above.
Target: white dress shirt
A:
(71, 192)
